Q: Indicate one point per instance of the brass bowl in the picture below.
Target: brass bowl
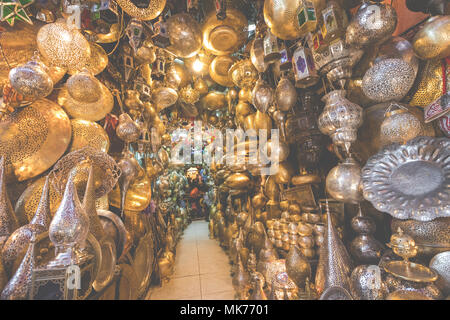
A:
(433, 40)
(221, 37)
(218, 70)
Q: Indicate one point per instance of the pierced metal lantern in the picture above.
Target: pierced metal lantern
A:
(340, 118)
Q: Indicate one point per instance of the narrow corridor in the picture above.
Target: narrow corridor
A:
(201, 270)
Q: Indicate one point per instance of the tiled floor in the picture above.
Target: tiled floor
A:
(201, 270)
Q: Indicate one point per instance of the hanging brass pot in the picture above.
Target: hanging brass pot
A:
(127, 130)
(286, 94)
(214, 100)
(237, 181)
(184, 34)
(282, 17)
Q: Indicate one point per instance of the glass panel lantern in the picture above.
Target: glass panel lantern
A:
(335, 22)
(307, 17)
(304, 68)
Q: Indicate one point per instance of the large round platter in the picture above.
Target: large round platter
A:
(410, 181)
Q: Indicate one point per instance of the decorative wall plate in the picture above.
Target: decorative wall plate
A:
(410, 181)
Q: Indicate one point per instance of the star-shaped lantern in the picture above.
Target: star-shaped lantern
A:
(12, 10)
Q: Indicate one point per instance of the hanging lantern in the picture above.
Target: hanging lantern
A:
(63, 46)
(271, 49)
(304, 68)
(134, 32)
(335, 22)
(340, 119)
(399, 125)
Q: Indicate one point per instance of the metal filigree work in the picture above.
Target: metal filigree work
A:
(388, 80)
(410, 181)
(103, 164)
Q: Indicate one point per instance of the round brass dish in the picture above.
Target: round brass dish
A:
(107, 268)
(33, 139)
(114, 228)
(222, 37)
(88, 133)
(411, 271)
(143, 263)
(218, 70)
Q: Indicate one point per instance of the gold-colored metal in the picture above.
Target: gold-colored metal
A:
(433, 40)
(29, 200)
(88, 133)
(112, 36)
(138, 195)
(214, 100)
(8, 219)
(281, 17)
(62, 45)
(93, 111)
(34, 138)
(128, 283)
(84, 87)
(95, 64)
(243, 74)
(222, 37)
(177, 76)
(106, 170)
(218, 70)
(238, 181)
(153, 10)
(430, 84)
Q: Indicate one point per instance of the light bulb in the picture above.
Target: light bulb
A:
(197, 66)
